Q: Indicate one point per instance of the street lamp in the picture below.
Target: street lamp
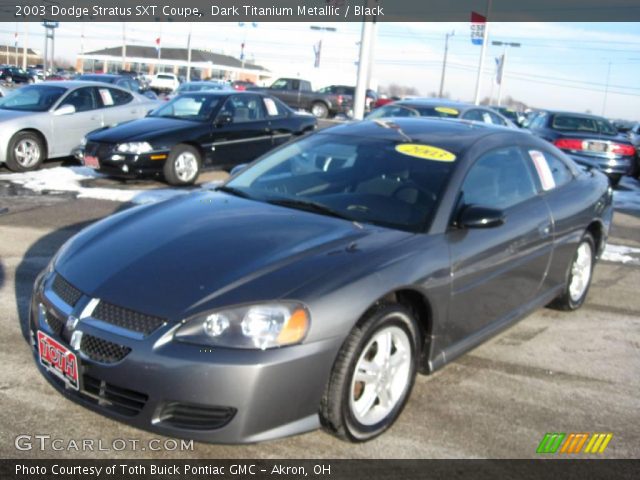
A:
(444, 61)
(503, 63)
(318, 49)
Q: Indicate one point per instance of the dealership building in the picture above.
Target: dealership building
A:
(149, 60)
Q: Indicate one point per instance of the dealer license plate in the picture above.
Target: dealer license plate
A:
(58, 360)
(91, 161)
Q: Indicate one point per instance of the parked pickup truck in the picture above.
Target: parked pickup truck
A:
(298, 94)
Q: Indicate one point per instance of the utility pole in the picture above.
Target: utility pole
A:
(363, 64)
(485, 39)
(444, 61)
(503, 65)
(189, 55)
(124, 45)
(25, 45)
(606, 90)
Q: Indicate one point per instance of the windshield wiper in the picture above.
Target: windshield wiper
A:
(233, 191)
(310, 206)
(393, 126)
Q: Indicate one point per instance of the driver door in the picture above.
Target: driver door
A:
(68, 130)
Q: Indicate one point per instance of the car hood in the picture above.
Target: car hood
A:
(142, 129)
(6, 115)
(176, 258)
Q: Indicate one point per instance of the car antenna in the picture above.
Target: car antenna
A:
(393, 126)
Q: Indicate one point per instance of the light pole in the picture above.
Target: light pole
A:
(318, 50)
(444, 61)
(503, 64)
(485, 39)
(606, 90)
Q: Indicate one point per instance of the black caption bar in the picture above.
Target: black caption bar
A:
(319, 469)
(319, 10)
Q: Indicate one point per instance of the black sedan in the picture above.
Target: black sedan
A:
(15, 75)
(433, 107)
(311, 287)
(222, 129)
(589, 140)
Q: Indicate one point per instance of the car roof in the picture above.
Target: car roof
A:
(436, 102)
(453, 134)
(74, 84)
(576, 114)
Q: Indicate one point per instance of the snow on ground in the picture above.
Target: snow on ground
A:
(68, 179)
(622, 254)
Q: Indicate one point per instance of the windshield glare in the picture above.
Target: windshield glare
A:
(413, 111)
(188, 107)
(366, 180)
(33, 98)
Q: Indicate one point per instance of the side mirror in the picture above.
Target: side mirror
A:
(223, 119)
(476, 216)
(66, 109)
(237, 169)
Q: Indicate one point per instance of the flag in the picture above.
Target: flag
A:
(499, 68)
(158, 44)
(15, 41)
(478, 23)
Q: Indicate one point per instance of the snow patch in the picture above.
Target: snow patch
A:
(68, 179)
(622, 254)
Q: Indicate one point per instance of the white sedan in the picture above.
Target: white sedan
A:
(50, 119)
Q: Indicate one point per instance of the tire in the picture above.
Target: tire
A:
(614, 180)
(573, 299)
(26, 152)
(8, 79)
(355, 410)
(180, 169)
(320, 110)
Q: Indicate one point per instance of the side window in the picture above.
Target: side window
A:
(295, 84)
(474, 114)
(551, 170)
(499, 179)
(496, 120)
(244, 108)
(83, 99)
(274, 108)
(119, 97)
(539, 121)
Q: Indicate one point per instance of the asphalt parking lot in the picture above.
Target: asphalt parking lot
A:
(552, 372)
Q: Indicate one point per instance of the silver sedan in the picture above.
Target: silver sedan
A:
(50, 119)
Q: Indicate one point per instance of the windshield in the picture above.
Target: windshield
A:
(188, 107)
(583, 124)
(396, 110)
(33, 98)
(362, 179)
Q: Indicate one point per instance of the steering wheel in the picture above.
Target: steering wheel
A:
(414, 186)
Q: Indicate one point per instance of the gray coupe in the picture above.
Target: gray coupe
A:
(49, 120)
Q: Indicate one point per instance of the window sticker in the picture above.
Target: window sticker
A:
(426, 152)
(447, 110)
(105, 94)
(272, 109)
(542, 167)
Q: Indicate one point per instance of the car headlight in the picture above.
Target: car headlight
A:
(262, 326)
(134, 147)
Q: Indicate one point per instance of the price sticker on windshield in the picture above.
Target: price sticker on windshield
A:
(426, 152)
(542, 168)
(107, 99)
(447, 110)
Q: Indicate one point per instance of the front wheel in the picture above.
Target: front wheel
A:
(579, 276)
(373, 374)
(26, 152)
(183, 165)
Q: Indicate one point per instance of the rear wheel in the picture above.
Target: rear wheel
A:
(579, 276)
(614, 180)
(373, 374)
(320, 110)
(183, 165)
(26, 152)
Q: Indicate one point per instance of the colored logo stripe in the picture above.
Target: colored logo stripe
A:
(574, 442)
(598, 442)
(550, 443)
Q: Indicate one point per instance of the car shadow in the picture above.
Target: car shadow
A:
(626, 196)
(35, 259)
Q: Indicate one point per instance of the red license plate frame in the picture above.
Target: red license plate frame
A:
(59, 360)
(91, 162)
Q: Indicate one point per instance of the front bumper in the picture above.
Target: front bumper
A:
(185, 391)
(125, 165)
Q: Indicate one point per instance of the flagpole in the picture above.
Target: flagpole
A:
(189, 55)
(485, 39)
(25, 45)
